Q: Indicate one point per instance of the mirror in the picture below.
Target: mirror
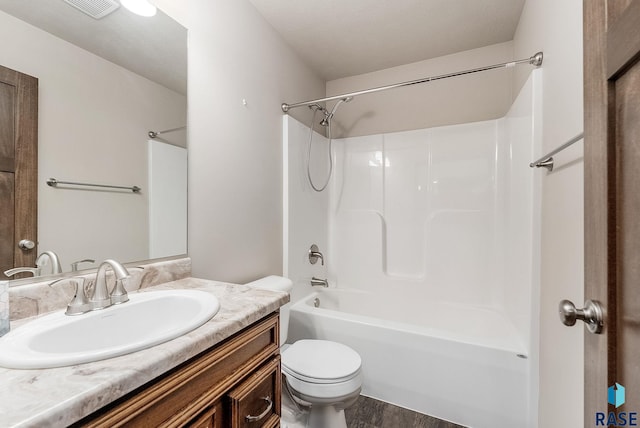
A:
(104, 84)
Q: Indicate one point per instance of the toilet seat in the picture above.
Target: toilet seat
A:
(321, 361)
(322, 369)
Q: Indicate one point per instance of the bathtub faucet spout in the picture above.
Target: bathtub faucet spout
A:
(321, 282)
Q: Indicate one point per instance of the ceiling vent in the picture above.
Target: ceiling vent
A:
(95, 8)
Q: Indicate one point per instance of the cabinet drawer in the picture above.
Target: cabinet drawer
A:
(207, 419)
(256, 402)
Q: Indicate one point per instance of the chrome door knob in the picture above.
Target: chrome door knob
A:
(26, 245)
(592, 315)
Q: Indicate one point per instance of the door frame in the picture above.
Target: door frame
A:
(611, 44)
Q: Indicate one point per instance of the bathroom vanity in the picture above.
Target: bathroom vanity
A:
(225, 373)
(234, 384)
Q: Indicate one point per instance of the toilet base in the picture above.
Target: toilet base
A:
(327, 417)
(317, 417)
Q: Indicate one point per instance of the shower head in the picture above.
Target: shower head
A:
(328, 116)
(340, 101)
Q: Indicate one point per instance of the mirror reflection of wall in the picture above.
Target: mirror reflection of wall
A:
(94, 117)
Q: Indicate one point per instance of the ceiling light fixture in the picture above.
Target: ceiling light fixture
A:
(139, 7)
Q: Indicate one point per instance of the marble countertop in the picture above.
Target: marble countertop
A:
(61, 396)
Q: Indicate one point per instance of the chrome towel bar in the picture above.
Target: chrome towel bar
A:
(54, 183)
(546, 161)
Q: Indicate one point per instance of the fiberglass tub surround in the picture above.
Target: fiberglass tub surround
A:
(428, 237)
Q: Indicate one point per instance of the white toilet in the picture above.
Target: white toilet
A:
(321, 377)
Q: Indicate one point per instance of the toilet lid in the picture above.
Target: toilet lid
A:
(321, 360)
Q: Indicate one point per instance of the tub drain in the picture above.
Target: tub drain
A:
(316, 302)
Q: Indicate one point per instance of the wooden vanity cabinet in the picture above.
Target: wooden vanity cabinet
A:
(237, 383)
(208, 418)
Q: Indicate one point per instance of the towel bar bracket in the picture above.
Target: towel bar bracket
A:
(546, 163)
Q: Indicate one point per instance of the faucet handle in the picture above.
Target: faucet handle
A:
(79, 304)
(34, 271)
(74, 265)
(315, 254)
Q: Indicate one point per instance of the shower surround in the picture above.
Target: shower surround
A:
(436, 231)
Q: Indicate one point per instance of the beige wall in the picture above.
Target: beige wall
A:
(235, 150)
(463, 99)
(556, 27)
(92, 127)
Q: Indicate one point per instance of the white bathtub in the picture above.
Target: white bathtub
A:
(460, 364)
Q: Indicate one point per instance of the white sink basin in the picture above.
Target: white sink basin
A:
(147, 319)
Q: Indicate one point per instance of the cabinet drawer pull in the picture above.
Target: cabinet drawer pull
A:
(250, 418)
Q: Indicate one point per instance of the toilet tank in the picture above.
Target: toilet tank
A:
(277, 283)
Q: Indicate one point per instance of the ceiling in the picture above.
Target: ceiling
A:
(339, 38)
(154, 47)
(336, 38)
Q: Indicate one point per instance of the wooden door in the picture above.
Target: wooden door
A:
(612, 200)
(18, 167)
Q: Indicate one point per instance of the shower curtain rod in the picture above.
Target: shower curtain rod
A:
(154, 134)
(535, 60)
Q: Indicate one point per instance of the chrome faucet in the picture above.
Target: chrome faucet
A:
(319, 282)
(100, 297)
(53, 258)
(315, 254)
(42, 260)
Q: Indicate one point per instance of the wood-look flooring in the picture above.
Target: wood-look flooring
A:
(371, 413)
